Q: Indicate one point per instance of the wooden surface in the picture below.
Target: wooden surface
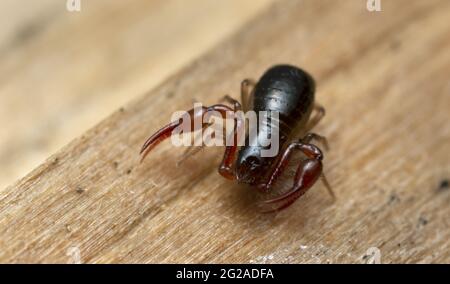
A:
(383, 78)
(62, 72)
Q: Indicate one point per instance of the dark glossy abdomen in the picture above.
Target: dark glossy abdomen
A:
(288, 90)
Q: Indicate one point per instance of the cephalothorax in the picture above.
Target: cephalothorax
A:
(289, 91)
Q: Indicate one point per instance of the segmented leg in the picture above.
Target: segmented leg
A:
(307, 149)
(236, 104)
(306, 176)
(247, 87)
(309, 170)
(319, 113)
(192, 151)
(313, 136)
(327, 185)
(284, 160)
(226, 168)
(194, 114)
(323, 140)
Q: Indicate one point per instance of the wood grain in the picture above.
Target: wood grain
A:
(383, 78)
(78, 67)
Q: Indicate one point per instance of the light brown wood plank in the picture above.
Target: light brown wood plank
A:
(383, 78)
